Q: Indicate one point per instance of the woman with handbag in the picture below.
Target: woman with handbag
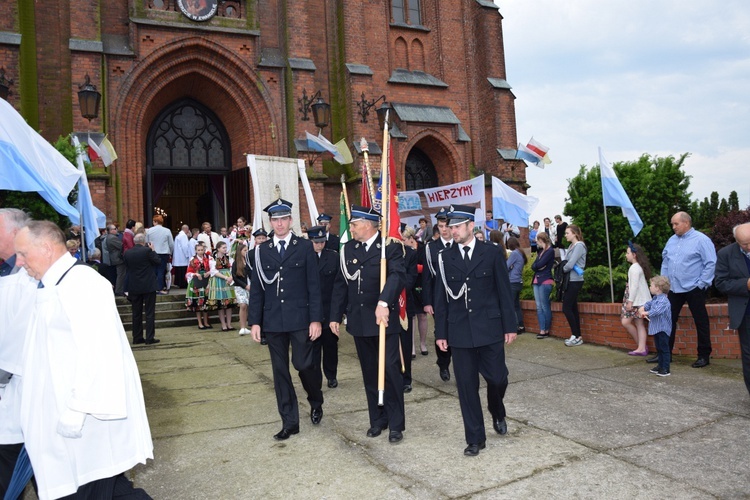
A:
(220, 289)
(542, 282)
(198, 272)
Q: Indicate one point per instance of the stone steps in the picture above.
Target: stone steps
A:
(170, 312)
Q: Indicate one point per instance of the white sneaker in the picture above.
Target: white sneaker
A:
(244, 331)
(568, 341)
(574, 341)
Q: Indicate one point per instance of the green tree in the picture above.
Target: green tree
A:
(734, 202)
(657, 187)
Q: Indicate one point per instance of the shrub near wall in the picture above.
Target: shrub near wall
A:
(600, 324)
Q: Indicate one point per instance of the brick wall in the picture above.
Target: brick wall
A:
(600, 324)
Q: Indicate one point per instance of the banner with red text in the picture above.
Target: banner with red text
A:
(413, 205)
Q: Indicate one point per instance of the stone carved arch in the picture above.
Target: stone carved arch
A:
(196, 68)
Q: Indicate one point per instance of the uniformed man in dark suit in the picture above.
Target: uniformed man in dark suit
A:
(285, 304)
(432, 250)
(407, 334)
(259, 236)
(332, 241)
(357, 292)
(474, 315)
(327, 343)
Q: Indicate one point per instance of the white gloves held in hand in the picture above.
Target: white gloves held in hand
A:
(70, 423)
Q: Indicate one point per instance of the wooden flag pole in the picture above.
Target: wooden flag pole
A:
(346, 197)
(384, 202)
(364, 146)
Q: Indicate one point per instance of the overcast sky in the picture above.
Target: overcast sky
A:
(662, 77)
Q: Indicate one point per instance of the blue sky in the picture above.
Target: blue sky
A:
(662, 77)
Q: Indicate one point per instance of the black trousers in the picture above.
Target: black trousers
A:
(8, 456)
(391, 414)
(138, 303)
(115, 487)
(327, 347)
(443, 357)
(744, 332)
(570, 306)
(179, 276)
(696, 301)
(468, 363)
(407, 341)
(309, 374)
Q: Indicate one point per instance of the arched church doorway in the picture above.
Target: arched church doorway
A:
(189, 168)
(420, 172)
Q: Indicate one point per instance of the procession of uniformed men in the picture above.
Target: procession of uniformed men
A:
(302, 289)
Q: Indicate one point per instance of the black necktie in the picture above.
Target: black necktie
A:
(466, 254)
(282, 243)
(448, 245)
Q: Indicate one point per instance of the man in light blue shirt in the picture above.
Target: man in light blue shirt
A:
(689, 261)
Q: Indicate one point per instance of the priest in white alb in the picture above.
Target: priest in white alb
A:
(82, 410)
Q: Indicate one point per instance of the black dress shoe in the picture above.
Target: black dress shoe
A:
(473, 449)
(333, 383)
(139, 341)
(152, 341)
(700, 363)
(316, 415)
(655, 359)
(501, 426)
(373, 432)
(445, 374)
(407, 388)
(395, 437)
(285, 433)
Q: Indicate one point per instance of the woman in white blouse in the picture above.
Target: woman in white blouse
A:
(636, 294)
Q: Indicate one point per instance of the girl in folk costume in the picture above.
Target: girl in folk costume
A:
(220, 289)
(239, 237)
(198, 273)
(241, 278)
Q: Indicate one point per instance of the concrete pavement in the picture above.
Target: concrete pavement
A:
(584, 422)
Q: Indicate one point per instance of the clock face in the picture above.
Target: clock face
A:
(198, 10)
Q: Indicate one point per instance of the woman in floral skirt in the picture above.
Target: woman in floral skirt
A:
(197, 276)
(220, 289)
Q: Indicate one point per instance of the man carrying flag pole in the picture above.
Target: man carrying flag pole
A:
(367, 289)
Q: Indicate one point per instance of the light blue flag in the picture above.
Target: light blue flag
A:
(29, 163)
(615, 196)
(93, 218)
(510, 205)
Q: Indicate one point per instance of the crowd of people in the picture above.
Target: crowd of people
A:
(296, 292)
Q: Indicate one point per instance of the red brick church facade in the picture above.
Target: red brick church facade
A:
(184, 100)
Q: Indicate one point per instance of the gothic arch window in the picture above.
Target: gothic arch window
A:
(402, 58)
(188, 136)
(416, 56)
(406, 12)
(420, 171)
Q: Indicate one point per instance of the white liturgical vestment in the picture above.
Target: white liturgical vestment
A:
(17, 293)
(77, 357)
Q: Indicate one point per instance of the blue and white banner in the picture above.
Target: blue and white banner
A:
(615, 196)
(510, 205)
(29, 163)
